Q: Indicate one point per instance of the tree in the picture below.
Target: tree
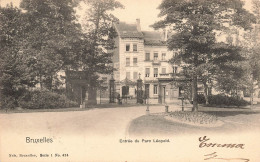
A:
(51, 38)
(13, 73)
(35, 44)
(197, 23)
(98, 42)
(250, 44)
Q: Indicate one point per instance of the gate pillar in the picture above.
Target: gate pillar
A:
(112, 90)
(139, 90)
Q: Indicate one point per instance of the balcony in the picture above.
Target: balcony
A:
(166, 75)
(156, 62)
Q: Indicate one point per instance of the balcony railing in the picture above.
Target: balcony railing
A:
(166, 75)
(156, 62)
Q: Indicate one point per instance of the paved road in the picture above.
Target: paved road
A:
(93, 135)
(109, 121)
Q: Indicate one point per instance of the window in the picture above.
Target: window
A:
(147, 72)
(155, 72)
(135, 75)
(163, 70)
(128, 75)
(134, 47)
(147, 56)
(127, 61)
(155, 89)
(135, 61)
(163, 56)
(127, 47)
(155, 56)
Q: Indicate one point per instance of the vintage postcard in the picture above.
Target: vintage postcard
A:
(129, 80)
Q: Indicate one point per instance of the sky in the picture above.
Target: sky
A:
(145, 10)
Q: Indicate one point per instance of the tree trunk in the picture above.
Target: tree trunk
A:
(92, 88)
(206, 95)
(252, 94)
(195, 92)
(40, 81)
(92, 92)
(195, 83)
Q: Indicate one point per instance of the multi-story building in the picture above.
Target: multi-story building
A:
(144, 55)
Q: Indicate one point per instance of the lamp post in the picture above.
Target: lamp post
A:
(147, 107)
(182, 98)
(146, 96)
(147, 102)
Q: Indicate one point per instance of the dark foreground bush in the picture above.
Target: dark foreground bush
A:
(222, 100)
(45, 100)
(8, 102)
(201, 99)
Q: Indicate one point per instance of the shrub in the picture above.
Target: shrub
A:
(9, 98)
(223, 100)
(8, 102)
(44, 99)
(201, 99)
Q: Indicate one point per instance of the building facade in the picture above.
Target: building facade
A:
(144, 55)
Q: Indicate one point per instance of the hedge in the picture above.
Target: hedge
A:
(222, 100)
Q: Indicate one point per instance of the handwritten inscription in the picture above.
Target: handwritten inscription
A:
(204, 142)
(215, 156)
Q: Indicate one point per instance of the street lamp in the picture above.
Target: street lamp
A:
(182, 99)
(146, 95)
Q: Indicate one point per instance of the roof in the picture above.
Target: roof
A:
(128, 30)
(153, 38)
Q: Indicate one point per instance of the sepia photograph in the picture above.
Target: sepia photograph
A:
(129, 80)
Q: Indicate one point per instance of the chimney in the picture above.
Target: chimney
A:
(138, 25)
